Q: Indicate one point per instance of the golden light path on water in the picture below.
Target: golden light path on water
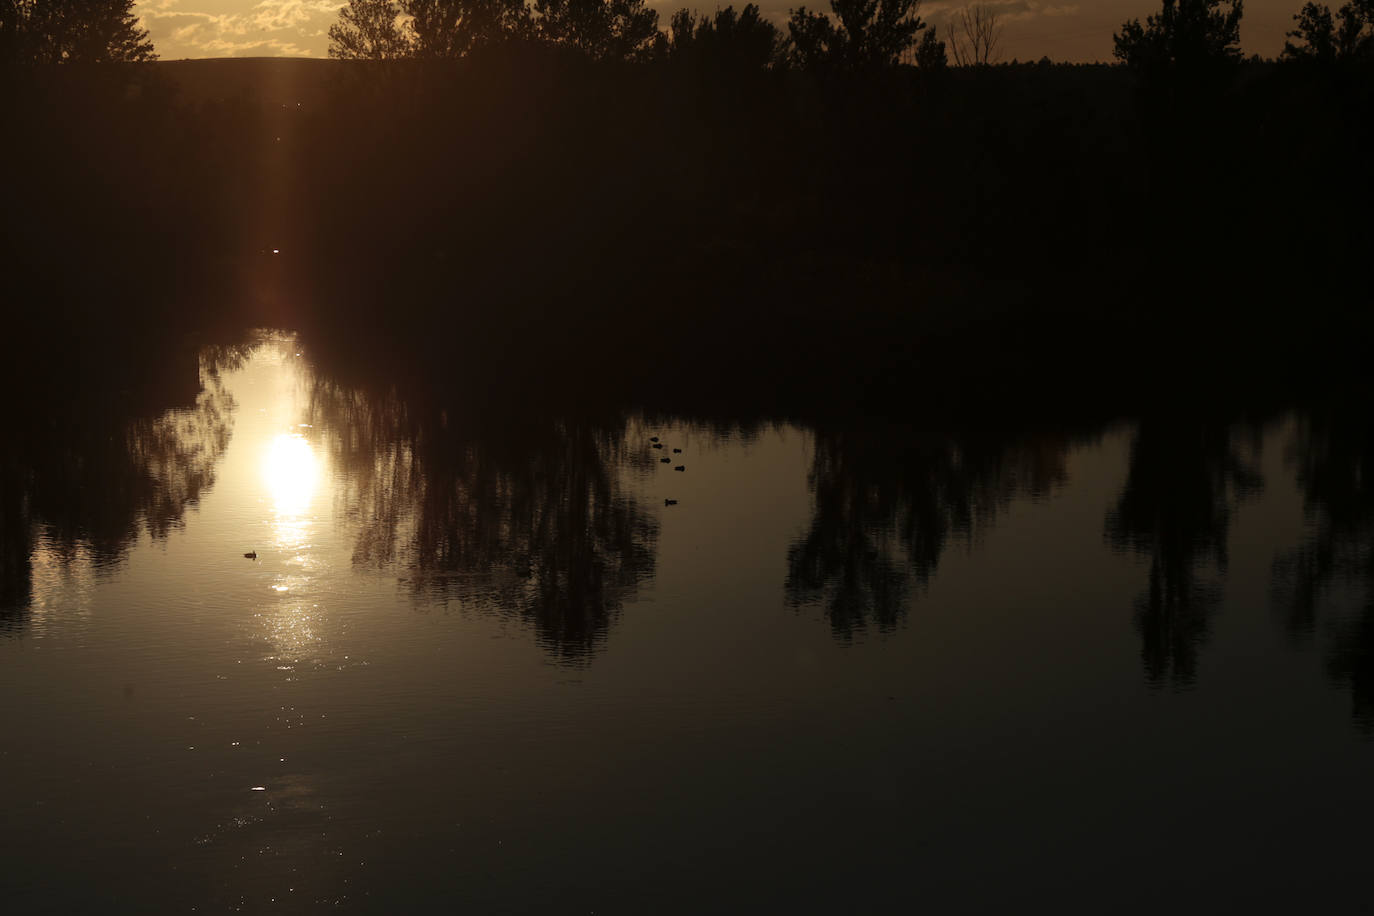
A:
(291, 474)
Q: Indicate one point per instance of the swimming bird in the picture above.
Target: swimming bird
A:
(680, 467)
(251, 555)
(677, 451)
(670, 502)
(653, 438)
(657, 445)
(665, 461)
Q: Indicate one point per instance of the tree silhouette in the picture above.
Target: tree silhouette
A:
(72, 31)
(455, 28)
(1184, 482)
(530, 520)
(16, 537)
(1333, 462)
(725, 42)
(600, 29)
(13, 32)
(1187, 37)
(930, 54)
(93, 487)
(368, 30)
(861, 34)
(975, 42)
(1325, 41)
(889, 503)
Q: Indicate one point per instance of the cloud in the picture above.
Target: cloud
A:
(272, 15)
(295, 28)
(266, 47)
(1006, 10)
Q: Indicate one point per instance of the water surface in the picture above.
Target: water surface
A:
(480, 662)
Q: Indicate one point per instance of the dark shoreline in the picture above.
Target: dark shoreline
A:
(559, 232)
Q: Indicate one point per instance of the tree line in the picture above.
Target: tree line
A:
(854, 35)
(1186, 36)
(1197, 37)
(72, 31)
(1189, 37)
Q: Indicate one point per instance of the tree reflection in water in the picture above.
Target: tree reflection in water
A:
(87, 485)
(1333, 457)
(529, 519)
(1185, 479)
(888, 502)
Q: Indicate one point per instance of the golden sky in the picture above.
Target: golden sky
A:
(1067, 30)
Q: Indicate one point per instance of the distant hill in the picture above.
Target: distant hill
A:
(274, 80)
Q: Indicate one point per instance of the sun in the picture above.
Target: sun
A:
(291, 473)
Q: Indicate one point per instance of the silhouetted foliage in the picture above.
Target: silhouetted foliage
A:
(455, 28)
(1324, 41)
(726, 42)
(889, 503)
(1187, 39)
(750, 207)
(72, 31)
(1333, 460)
(930, 53)
(16, 537)
(860, 35)
(528, 519)
(369, 30)
(1351, 664)
(14, 32)
(83, 486)
(605, 30)
(1184, 482)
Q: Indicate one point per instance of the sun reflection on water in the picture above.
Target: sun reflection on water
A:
(291, 472)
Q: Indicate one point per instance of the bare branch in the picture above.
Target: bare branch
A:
(976, 38)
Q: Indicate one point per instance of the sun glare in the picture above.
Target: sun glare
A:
(291, 473)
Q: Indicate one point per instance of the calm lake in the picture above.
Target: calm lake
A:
(540, 665)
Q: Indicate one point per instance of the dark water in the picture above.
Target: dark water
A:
(483, 666)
